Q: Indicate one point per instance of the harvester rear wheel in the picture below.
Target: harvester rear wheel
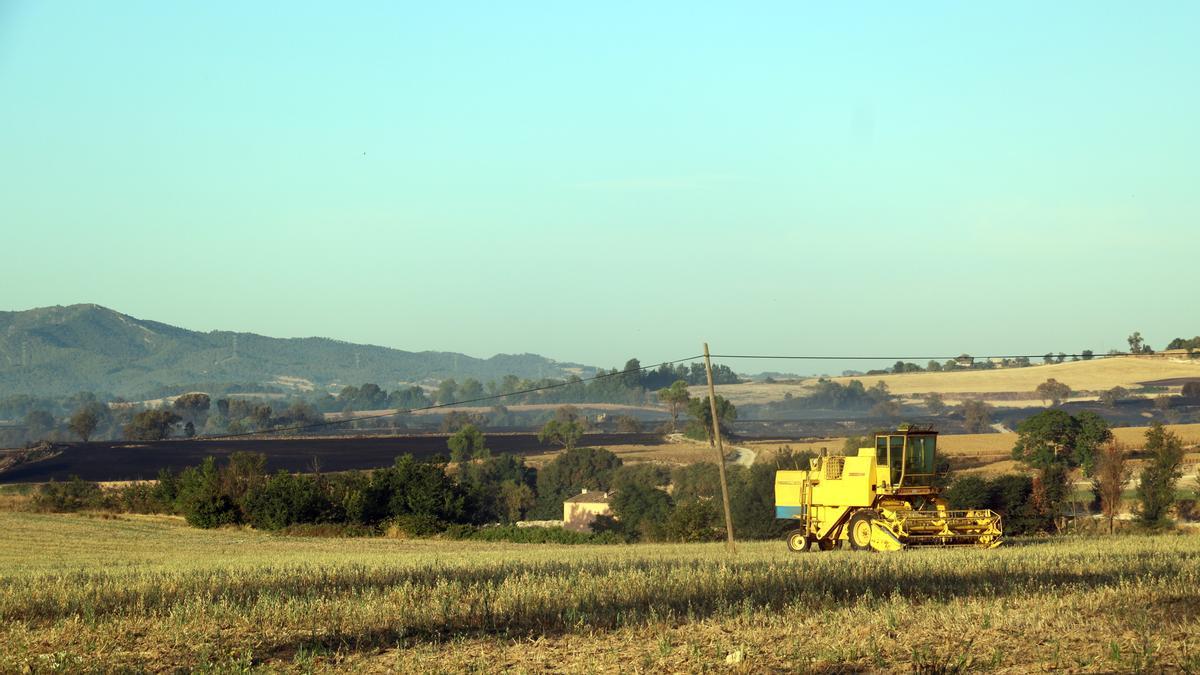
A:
(798, 541)
(860, 530)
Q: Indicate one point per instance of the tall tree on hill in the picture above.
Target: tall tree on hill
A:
(1053, 391)
(1137, 345)
(83, 423)
(675, 397)
(700, 411)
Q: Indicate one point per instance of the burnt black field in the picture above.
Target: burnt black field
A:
(125, 460)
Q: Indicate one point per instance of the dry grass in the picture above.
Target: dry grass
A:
(687, 452)
(1095, 375)
(84, 594)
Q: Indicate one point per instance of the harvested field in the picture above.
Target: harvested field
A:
(132, 593)
(1095, 375)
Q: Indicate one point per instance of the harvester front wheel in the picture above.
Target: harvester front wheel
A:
(860, 530)
(798, 541)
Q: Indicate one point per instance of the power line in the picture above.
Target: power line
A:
(481, 399)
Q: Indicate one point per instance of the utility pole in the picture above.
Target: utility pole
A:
(716, 422)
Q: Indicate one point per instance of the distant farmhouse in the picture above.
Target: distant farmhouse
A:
(581, 511)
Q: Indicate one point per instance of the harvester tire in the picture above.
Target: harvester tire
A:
(798, 541)
(860, 530)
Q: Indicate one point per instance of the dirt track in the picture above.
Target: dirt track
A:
(116, 461)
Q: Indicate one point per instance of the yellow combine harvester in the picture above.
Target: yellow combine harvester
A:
(882, 499)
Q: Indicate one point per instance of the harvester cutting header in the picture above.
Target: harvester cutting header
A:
(884, 498)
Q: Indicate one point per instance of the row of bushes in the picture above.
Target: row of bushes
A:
(423, 499)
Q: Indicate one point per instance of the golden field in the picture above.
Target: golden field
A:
(80, 594)
(1095, 375)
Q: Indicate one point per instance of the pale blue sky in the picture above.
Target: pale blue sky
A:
(548, 177)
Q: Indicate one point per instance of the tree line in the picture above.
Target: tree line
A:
(651, 502)
(1054, 443)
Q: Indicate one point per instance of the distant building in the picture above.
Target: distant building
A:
(580, 511)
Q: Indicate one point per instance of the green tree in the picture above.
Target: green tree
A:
(968, 492)
(466, 444)
(692, 521)
(697, 481)
(676, 398)
(642, 510)
(642, 473)
(284, 499)
(700, 411)
(470, 389)
(262, 417)
(515, 499)
(1111, 396)
(1087, 354)
(1094, 432)
(1160, 472)
(1191, 390)
(1053, 391)
(1055, 438)
(977, 416)
(558, 432)
(1136, 344)
(499, 488)
(193, 407)
(38, 423)
(454, 421)
(151, 425)
(570, 472)
(1046, 439)
(934, 403)
(201, 500)
(83, 423)
(446, 391)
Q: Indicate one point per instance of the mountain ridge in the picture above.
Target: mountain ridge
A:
(88, 347)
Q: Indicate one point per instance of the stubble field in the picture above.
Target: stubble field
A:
(81, 593)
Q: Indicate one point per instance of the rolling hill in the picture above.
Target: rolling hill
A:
(59, 350)
(1098, 374)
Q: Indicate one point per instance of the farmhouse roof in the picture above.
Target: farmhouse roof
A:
(590, 497)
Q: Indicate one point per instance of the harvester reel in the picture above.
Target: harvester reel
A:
(861, 525)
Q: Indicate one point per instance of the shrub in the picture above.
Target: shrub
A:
(200, 498)
(1010, 495)
(284, 500)
(696, 520)
(642, 510)
(411, 525)
(73, 495)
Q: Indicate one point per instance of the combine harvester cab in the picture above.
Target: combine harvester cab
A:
(882, 499)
